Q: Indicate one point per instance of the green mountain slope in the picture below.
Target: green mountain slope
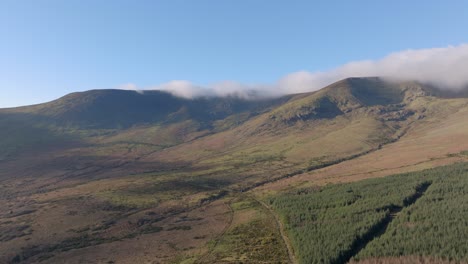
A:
(344, 119)
(82, 116)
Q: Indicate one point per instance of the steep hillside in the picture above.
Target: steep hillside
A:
(343, 120)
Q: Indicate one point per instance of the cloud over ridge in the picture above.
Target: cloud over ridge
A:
(445, 67)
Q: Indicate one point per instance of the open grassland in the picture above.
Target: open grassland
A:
(300, 144)
(427, 212)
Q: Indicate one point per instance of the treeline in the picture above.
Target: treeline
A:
(331, 224)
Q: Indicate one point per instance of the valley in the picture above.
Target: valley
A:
(111, 176)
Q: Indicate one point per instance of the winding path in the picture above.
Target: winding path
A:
(279, 224)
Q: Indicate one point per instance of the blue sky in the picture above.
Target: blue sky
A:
(51, 48)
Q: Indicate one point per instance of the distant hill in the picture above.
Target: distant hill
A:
(123, 109)
(78, 116)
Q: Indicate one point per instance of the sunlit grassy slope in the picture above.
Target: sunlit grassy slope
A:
(345, 119)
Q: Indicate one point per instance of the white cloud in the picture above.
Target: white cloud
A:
(129, 86)
(187, 89)
(444, 67)
(183, 89)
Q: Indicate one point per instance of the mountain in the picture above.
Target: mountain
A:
(106, 111)
(137, 177)
(123, 109)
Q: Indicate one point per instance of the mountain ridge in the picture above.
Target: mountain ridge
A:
(94, 114)
(92, 108)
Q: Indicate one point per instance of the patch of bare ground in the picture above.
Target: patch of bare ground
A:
(405, 260)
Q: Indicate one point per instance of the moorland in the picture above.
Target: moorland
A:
(365, 170)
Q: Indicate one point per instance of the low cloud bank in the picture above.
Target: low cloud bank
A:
(446, 68)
